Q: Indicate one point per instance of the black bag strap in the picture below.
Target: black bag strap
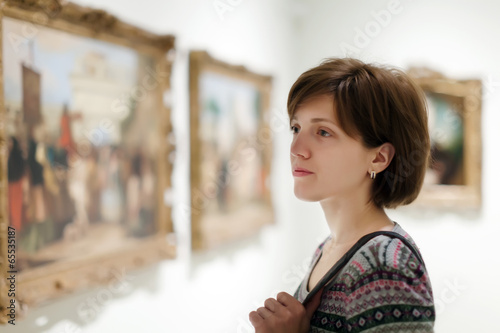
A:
(350, 253)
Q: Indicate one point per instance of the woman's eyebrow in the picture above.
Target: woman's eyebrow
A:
(318, 120)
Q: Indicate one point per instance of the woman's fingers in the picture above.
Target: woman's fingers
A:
(272, 305)
(255, 319)
(286, 299)
(264, 313)
(284, 314)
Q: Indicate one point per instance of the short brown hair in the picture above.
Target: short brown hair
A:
(375, 104)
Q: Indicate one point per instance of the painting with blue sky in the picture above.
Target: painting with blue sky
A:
(233, 167)
(82, 138)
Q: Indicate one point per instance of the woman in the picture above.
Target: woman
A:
(360, 144)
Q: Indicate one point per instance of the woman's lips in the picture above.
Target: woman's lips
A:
(300, 172)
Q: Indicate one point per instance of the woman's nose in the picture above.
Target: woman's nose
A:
(299, 147)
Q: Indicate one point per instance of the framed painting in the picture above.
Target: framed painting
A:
(231, 146)
(83, 150)
(453, 178)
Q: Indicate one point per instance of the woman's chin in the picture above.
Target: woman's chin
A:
(305, 196)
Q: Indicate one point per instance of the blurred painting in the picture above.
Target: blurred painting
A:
(231, 149)
(229, 121)
(453, 177)
(82, 144)
(447, 141)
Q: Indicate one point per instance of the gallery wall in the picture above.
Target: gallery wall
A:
(214, 291)
(190, 293)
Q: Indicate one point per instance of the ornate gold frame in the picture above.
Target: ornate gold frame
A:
(467, 97)
(39, 284)
(202, 237)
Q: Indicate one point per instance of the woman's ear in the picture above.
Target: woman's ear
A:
(383, 157)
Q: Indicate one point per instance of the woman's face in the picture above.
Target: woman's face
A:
(326, 163)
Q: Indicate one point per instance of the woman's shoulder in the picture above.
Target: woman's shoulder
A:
(386, 257)
(394, 253)
(384, 274)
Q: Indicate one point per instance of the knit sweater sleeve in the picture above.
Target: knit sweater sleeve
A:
(383, 288)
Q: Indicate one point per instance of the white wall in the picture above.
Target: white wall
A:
(214, 291)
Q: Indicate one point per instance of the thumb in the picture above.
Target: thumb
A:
(313, 304)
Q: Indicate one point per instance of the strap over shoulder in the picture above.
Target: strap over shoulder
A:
(350, 253)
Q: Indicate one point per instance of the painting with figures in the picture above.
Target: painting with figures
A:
(81, 144)
(84, 149)
(230, 149)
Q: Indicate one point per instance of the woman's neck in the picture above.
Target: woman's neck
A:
(349, 220)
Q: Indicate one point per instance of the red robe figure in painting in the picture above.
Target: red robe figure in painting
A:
(66, 138)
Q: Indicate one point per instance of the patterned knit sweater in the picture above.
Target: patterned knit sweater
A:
(383, 288)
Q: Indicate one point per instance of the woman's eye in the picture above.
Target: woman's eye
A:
(324, 133)
(294, 129)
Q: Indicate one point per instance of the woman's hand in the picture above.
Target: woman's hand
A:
(284, 314)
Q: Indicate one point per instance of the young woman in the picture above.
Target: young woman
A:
(360, 144)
